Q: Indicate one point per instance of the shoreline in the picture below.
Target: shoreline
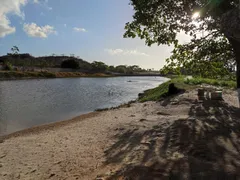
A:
(49, 126)
(179, 133)
(56, 77)
(18, 75)
(40, 78)
(52, 125)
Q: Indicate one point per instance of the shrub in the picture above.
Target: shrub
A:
(8, 67)
(70, 63)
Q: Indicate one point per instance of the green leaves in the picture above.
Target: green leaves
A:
(158, 21)
(204, 57)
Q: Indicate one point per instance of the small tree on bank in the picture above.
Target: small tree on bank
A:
(15, 50)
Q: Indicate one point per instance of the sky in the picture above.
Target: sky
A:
(90, 29)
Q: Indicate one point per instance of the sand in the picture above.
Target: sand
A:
(178, 138)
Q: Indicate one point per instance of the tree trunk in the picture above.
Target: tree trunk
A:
(236, 48)
(230, 26)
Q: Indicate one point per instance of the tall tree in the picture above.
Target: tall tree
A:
(98, 66)
(159, 21)
(15, 50)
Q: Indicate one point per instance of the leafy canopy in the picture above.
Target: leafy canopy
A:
(205, 57)
(159, 21)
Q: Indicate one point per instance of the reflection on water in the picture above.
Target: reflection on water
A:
(28, 103)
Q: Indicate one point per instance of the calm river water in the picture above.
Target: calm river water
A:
(29, 103)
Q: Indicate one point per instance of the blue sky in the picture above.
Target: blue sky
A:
(91, 29)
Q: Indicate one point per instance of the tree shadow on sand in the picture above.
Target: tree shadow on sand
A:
(204, 146)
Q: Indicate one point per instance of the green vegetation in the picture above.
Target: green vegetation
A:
(70, 63)
(213, 25)
(214, 82)
(99, 67)
(8, 67)
(4, 75)
(160, 92)
(27, 62)
(19, 75)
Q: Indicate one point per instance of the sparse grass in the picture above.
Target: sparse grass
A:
(125, 105)
(159, 92)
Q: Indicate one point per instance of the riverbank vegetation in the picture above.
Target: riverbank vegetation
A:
(16, 66)
(184, 84)
(213, 49)
(12, 75)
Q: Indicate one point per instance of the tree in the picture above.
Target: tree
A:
(43, 64)
(159, 21)
(121, 69)
(70, 63)
(111, 69)
(99, 66)
(15, 50)
(212, 58)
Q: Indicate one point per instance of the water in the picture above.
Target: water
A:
(29, 103)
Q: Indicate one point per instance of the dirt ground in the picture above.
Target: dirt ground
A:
(178, 138)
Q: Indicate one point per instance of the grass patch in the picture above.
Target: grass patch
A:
(214, 82)
(160, 92)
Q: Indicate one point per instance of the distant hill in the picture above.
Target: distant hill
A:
(28, 61)
(43, 61)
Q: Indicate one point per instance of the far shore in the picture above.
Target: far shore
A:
(24, 75)
(19, 75)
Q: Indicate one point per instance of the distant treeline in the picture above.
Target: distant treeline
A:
(27, 60)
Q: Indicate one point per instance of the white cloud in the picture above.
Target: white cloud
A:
(37, 31)
(114, 51)
(36, 1)
(9, 7)
(125, 52)
(79, 29)
(43, 3)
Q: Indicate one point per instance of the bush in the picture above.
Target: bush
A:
(8, 67)
(70, 63)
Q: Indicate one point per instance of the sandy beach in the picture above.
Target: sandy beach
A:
(177, 138)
